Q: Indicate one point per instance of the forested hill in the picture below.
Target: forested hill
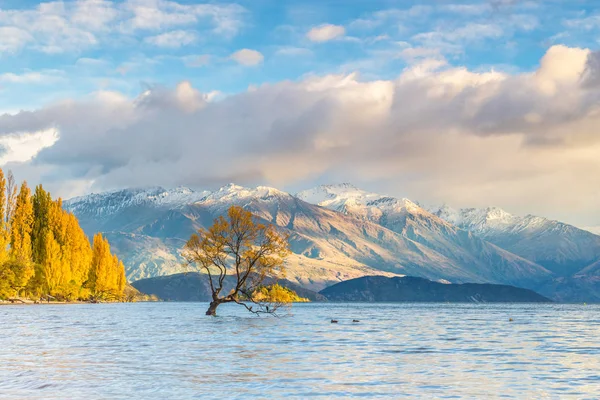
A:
(193, 286)
(413, 289)
(44, 252)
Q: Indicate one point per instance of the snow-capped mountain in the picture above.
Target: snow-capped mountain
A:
(561, 248)
(339, 232)
(412, 222)
(362, 234)
(349, 199)
(148, 231)
(112, 202)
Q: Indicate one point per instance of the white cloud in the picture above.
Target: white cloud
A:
(197, 60)
(160, 14)
(325, 33)
(173, 39)
(435, 133)
(293, 51)
(411, 54)
(189, 99)
(469, 32)
(49, 28)
(91, 62)
(32, 77)
(23, 146)
(13, 38)
(397, 17)
(561, 68)
(467, 9)
(74, 26)
(96, 15)
(585, 23)
(247, 57)
(154, 15)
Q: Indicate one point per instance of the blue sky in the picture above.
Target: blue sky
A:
(67, 56)
(470, 103)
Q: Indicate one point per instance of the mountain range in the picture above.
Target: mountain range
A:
(340, 232)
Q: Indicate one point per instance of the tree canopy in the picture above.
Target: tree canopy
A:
(244, 248)
(44, 252)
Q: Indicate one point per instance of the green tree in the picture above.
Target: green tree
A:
(19, 274)
(41, 203)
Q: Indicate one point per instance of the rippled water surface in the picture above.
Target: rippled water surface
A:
(172, 351)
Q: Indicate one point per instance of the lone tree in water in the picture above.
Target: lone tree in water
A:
(241, 250)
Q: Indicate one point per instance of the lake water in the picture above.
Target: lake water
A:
(172, 351)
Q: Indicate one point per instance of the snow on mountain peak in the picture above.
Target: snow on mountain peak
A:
(447, 213)
(495, 213)
(181, 195)
(476, 219)
(111, 202)
(236, 194)
(266, 191)
(340, 186)
(349, 199)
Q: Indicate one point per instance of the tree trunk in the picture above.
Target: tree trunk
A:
(212, 309)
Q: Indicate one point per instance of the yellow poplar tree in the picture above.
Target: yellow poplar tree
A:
(41, 203)
(4, 239)
(55, 273)
(122, 279)
(77, 251)
(44, 250)
(106, 277)
(22, 225)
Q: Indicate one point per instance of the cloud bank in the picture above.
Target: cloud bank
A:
(526, 141)
(57, 27)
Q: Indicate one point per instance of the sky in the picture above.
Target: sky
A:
(468, 103)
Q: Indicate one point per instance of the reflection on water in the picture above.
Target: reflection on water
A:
(172, 351)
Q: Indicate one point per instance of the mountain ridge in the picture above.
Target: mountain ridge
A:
(348, 233)
(416, 289)
(562, 248)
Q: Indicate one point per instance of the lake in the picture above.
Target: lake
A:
(172, 351)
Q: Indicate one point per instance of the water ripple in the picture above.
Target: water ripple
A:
(171, 350)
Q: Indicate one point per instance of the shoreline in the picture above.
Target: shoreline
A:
(41, 303)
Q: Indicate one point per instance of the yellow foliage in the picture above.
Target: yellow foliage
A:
(4, 239)
(48, 252)
(107, 273)
(239, 246)
(22, 226)
(277, 294)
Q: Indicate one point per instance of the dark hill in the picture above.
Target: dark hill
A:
(412, 289)
(193, 286)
